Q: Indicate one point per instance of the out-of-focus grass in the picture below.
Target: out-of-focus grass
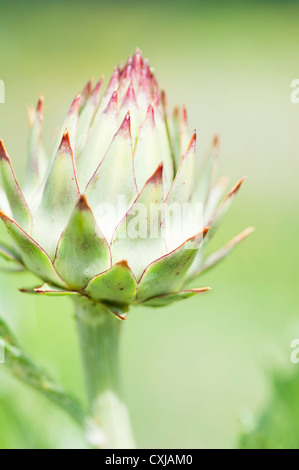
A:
(189, 369)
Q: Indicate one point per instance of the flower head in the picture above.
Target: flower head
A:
(119, 212)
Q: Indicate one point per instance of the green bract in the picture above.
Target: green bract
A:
(93, 218)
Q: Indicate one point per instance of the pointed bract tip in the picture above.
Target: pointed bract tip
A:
(150, 114)
(127, 117)
(198, 290)
(87, 89)
(239, 238)
(245, 233)
(112, 105)
(113, 98)
(205, 231)
(184, 115)
(65, 144)
(157, 177)
(163, 99)
(137, 59)
(176, 112)
(40, 104)
(192, 144)
(3, 153)
(156, 98)
(130, 94)
(97, 87)
(82, 204)
(3, 216)
(236, 188)
(113, 82)
(125, 126)
(75, 104)
(120, 316)
(123, 263)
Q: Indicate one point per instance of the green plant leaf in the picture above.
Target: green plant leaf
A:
(277, 426)
(22, 367)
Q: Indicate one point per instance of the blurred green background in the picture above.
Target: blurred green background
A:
(196, 373)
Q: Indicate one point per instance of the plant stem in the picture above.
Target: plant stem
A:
(99, 332)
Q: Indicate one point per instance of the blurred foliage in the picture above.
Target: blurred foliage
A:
(278, 424)
(22, 367)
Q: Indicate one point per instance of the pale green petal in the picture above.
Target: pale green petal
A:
(36, 159)
(185, 135)
(16, 200)
(165, 150)
(147, 155)
(70, 124)
(183, 185)
(85, 93)
(183, 217)
(130, 105)
(214, 222)
(206, 174)
(86, 116)
(220, 254)
(139, 237)
(167, 274)
(8, 254)
(174, 130)
(116, 285)
(216, 194)
(219, 214)
(100, 136)
(82, 251)
(112, 189)
(33, 256)
(59, 198)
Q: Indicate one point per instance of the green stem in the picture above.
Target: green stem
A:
(99, 333)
